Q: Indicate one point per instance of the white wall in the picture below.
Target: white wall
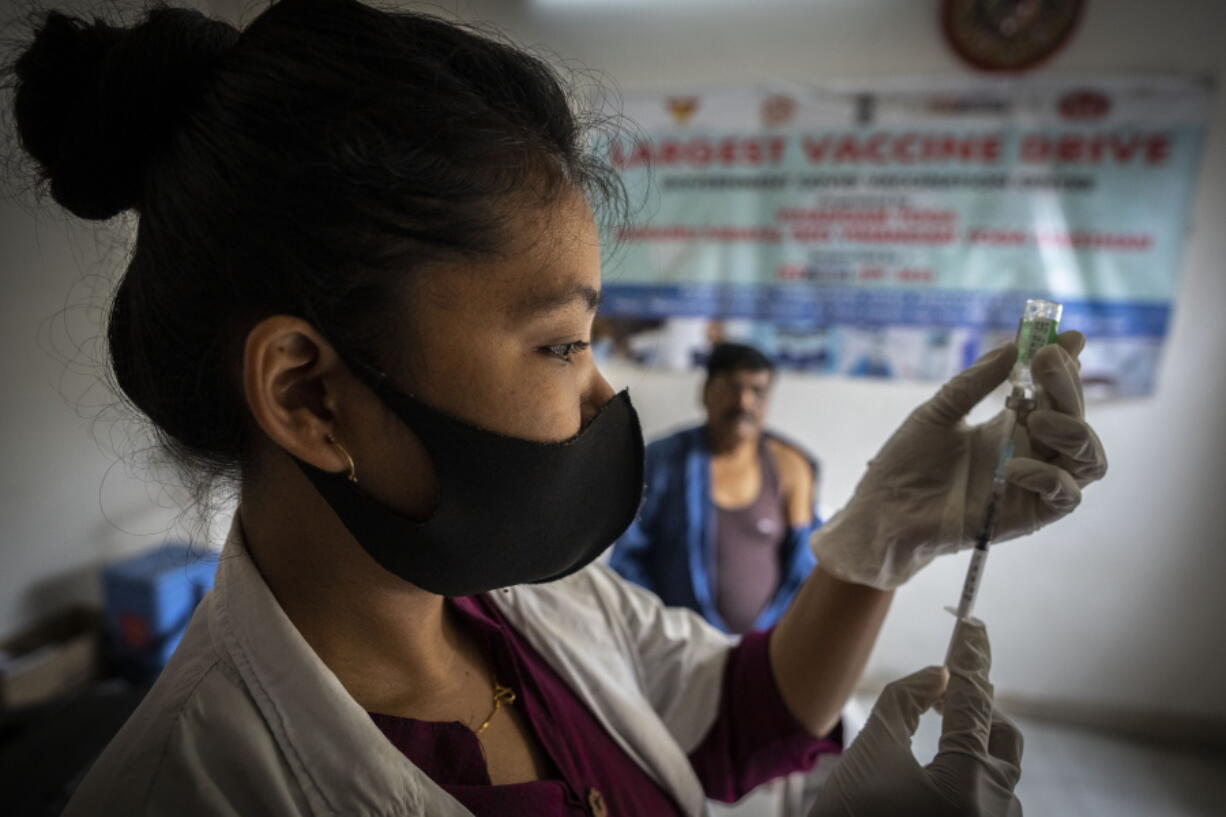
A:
(66, 505)
(1118, 607)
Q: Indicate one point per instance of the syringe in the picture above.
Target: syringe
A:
(1038, 327)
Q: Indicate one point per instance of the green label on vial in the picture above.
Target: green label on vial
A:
(1033, 335)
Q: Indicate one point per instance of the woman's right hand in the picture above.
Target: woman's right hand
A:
(978, 763)
(928, 488)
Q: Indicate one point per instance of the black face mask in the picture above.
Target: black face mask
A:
(510, 510)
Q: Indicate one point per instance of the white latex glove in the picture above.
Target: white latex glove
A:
(976, 767)
(927, 490)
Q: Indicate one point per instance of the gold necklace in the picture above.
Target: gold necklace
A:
(502, 695)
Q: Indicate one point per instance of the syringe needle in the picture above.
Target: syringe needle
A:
(1036, 329)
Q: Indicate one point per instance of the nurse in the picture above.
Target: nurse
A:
(364, 274)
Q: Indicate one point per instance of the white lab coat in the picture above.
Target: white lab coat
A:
(246, 720)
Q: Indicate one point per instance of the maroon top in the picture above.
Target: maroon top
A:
(754, 737)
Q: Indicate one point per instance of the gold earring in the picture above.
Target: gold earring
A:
(352, 476)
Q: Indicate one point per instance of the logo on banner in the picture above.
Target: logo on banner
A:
(1084, 106)
(952, 105)
(778, 109)
(682, 108)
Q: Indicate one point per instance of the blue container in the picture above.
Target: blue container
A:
(149, 599)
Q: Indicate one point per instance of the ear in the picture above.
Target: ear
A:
(292, 381)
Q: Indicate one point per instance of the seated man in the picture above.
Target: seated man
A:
(725, 523)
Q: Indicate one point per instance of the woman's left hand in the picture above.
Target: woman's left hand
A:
(927, 490)
(977, 765)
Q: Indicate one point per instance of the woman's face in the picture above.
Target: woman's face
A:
(501, 343)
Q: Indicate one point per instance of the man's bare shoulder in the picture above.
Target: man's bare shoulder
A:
(797, 481)
(790, 461)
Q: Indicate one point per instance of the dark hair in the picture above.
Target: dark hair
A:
(731, 357)
(304, 166)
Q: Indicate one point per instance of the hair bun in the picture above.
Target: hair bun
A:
(94, 102)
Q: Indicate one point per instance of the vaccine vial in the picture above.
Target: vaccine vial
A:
(1039, 325)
